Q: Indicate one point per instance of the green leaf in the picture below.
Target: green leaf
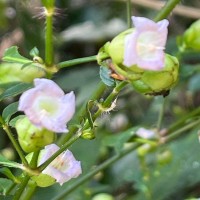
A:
(14, 120)
(7, 163)
(43, 180)
(9, 174)
(5, 86)
(12, 55)
(34, 52)
(4, 186)
(10, 197)
(9, 111)
(105, 76)
(118, 141)
(15, 90)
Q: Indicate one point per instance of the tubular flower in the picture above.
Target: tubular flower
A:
(145, 46)
(63, 168)
(47, 106)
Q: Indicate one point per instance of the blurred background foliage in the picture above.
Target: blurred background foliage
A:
(81, 28)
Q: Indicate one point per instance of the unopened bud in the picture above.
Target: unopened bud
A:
(32, 138)
(88, 134)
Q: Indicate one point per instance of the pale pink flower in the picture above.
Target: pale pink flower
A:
(145, 46)
(145, 133)
(62, 168)
(47, 106)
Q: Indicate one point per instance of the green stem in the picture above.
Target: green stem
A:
(98, 92)
(57, 153)
(21, 188)
(77, 61)
(34, 160)
(128, 5)
(90, 174)
(161, 114)
(14, 142)
(181, 130)
(165, 11)
(49, 49)
(183, 120)
(30, 190)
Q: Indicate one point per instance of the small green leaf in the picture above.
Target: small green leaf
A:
(9, 111)
(14, 120)
(43, 180)
(9, 174)
(118, 141)
(15, 90)
(4, 186)
(34, 52)
(7, 163)
(12, 55)
(105, 76)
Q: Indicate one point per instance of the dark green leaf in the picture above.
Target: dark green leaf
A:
(9, 111)
(15, 90)
(5, 86)
(8, 173)
(4, 186)
(118, 141)
(105, 76)
(12, 55)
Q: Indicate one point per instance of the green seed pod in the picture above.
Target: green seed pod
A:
(158, 82)
(11, 72)
(32, 138)
(191, 37)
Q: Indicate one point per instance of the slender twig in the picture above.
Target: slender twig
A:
(129, 5)
(161, 113)
(14, 142)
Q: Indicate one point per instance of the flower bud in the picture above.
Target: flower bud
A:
(103, 196)
(164, 157)
(32, 138)
(158, 82)
(13, 72)
(191, 37)
(88, 134)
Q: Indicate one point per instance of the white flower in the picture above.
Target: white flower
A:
(145, 46)
(62, 168)
(145, 133)
(47, 106)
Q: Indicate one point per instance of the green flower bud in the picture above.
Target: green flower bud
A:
(11, 72)
(164, 157)
(158, 82)
(103, 196)
(30, 137)
(88, 134)
(191, 37)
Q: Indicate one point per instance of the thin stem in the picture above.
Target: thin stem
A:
(30, 190)
(165, 11)
(128, 5)
(98, 92)
(57, 153)
(21, 188)
(14, 142)
(181, 130)
(34, 160)
(161, 113)
(90, 174)
(49, 49)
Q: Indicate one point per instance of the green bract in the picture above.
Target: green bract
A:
(191, 38)
(158, 82)
(13, 72)
(32, 138)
